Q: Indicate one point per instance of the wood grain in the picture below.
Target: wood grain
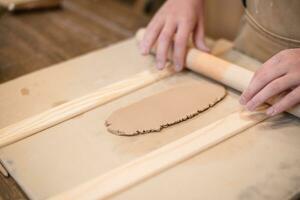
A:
(9, 189)
(34, 40)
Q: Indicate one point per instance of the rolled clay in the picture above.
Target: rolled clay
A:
(165, 109)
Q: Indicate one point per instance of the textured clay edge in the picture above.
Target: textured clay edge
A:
(121, 133)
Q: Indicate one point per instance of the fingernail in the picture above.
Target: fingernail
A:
(242, 100)
(203, 47)
(250, 106)
(178, 67)
(143, 50)
(160, 65)
(206, 49)
(271, 111)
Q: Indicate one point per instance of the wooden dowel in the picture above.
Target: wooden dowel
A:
(220, 70)
(51, 117)
(155, 162)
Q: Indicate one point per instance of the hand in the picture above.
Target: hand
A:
(278, 74)
(176, 19)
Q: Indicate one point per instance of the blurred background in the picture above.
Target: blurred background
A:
(38, 33)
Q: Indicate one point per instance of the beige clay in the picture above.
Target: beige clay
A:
(164, 109)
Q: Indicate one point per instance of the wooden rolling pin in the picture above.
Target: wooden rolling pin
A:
(220, 70)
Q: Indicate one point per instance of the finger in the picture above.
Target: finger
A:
(261, 78)
(273, 88)
(180, 46)
(164, 41)
(199, 36)
(287, 102)
(151, 35)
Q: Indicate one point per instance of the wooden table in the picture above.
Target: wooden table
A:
(31, 41)
(260, 163)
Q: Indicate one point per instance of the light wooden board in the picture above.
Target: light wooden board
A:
(75, 151)
(165, 157)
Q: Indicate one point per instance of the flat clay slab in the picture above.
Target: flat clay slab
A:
(165, 109)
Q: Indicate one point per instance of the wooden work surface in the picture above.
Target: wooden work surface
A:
(263, 162)
(34, 40)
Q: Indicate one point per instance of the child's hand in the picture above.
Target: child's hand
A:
(278, 74)
(176, 19)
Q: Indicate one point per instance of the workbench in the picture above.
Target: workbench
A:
(262, 162)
